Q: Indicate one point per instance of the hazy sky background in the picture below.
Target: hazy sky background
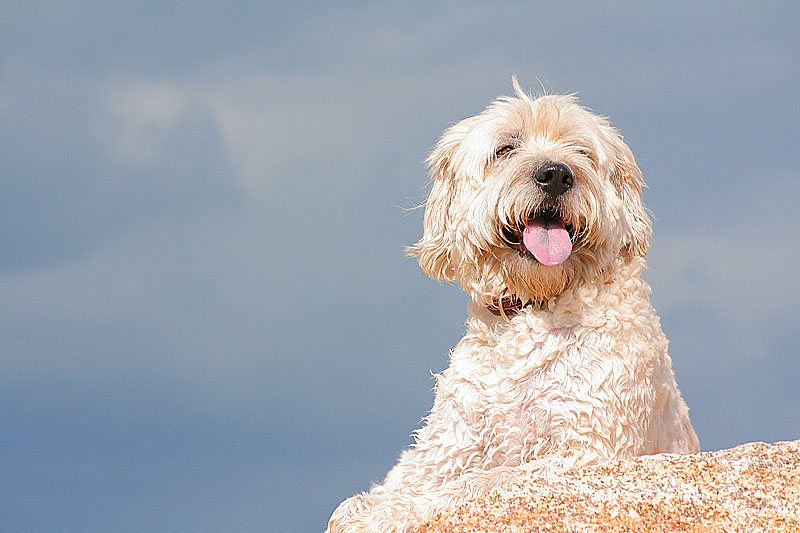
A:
(206, 319)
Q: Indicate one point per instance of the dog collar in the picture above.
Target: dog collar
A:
(507, 306)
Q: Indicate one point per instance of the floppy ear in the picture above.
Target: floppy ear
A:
(628, 181)
(435, 246)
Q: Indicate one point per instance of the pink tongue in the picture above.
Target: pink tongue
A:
(547, 240)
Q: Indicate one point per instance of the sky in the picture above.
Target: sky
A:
(207, 322)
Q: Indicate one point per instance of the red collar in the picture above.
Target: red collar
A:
(507, 306)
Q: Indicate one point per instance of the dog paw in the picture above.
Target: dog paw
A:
(348, 516)
(375, 513)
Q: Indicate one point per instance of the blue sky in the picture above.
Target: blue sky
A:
(207, 322)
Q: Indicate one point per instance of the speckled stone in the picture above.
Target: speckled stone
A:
(752, 487)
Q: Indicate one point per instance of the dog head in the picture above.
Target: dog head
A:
(529, 197)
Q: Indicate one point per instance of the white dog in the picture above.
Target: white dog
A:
(536, 210)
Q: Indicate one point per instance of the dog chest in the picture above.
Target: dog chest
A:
(530, 392)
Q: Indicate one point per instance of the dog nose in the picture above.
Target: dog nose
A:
(554, 178)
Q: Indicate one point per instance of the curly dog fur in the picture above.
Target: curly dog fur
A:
(536, 210)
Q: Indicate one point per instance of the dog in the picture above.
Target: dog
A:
(535, 209)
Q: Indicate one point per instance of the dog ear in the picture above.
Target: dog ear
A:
(628, 181)
(435, 247)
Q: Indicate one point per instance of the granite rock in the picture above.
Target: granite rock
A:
(752, 487)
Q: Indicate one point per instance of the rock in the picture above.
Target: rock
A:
(752, 487)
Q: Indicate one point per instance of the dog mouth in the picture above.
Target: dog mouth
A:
(544, 236)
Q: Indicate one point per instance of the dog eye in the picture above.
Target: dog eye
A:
(504, 150)
(585, 151)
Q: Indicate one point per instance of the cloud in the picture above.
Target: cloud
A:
(80, 175)
(138, 118)
(741, 265)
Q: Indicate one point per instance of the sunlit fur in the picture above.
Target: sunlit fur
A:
(474, 194)
(579, 376)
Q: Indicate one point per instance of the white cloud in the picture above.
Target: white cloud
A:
(139, 115)
(279, 128)
(269, 125)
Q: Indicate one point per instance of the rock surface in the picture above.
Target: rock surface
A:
(752, 487)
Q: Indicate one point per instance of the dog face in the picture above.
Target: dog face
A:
(529, 197)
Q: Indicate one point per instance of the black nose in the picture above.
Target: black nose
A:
(554, 178)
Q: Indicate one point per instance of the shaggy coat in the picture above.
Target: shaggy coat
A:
(562, 365)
